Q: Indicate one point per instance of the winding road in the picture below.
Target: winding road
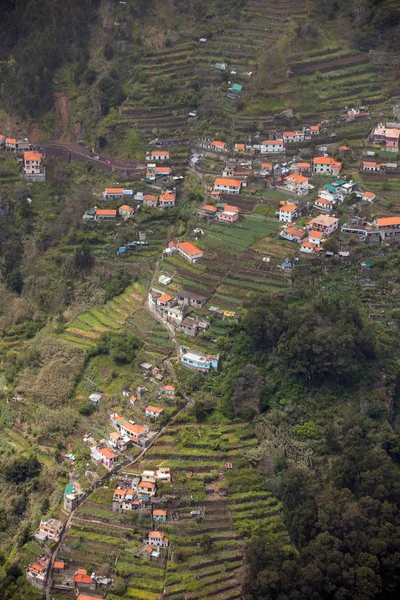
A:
(68, 151)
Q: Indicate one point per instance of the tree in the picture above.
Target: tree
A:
(247, 391)
(121, 346)
(19, 469)
(86, 408)
(83, 258)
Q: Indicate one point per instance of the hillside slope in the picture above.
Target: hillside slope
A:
(142, 65)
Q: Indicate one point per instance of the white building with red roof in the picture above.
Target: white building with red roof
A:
(189, 251)
(288, 213)
(158, 539)
(268, 146)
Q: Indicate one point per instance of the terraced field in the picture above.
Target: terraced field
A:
(87, 327)
(206, 556)
(189, 66)
(233, 265)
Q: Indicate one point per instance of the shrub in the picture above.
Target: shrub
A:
(86, 408)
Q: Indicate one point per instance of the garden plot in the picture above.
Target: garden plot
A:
(87, 327)
(226, 258)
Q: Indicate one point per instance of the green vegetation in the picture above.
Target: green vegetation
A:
(284, 460)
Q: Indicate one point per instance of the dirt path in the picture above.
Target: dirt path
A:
(63, 107)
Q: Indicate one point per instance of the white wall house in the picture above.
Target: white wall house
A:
(287, 213)
(272, 146)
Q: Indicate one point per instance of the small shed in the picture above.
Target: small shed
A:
(236, 88)
(95, 398)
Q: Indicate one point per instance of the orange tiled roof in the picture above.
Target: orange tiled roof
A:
(135, 429)
(106, 211)
(288, 207)
(388, 221)
(32, 156)
(190, 248)
(227, 181)
(107, 453)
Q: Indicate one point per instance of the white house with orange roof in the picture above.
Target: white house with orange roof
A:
(218, 146)
(105, 214)
(32, 162)
(230, 214)
(169, 390)
(293, 136)
(368, 196)
(113, 193)
(239, 148)
(167, 200)
(371, 166)
(227, 185)
(272, 146)
(164, 300)
(288, 213)
(33, 169)
(292, 234)
(316, 237)
(189, 251)
(147, 487)
(296, 183)
(134, 432)
(324, 205)
(389, 227)
(302, 168)
(153, 411)
(11, 144)
(314, 129)
(159, 155)
(126, 211)
(307, 247)
(266, 168)
(162, 172)
(326, 165)
(158, 539)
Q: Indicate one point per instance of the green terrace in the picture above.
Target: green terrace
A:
(233, 264)
(206, 552)
(87, 327)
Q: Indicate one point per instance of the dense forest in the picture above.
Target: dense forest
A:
(323, 385)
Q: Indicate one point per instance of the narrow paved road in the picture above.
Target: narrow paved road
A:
(69, 151)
